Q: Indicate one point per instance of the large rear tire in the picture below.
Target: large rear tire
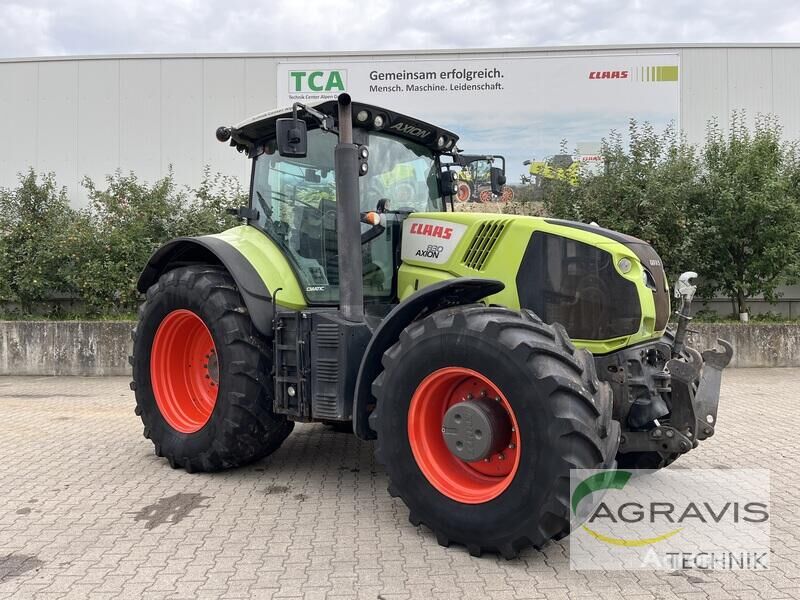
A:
(557, 411)
(201, 373)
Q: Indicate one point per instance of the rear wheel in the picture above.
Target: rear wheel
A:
(463, 191)
(481, 414)
(201, 373)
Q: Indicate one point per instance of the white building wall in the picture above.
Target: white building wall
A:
(82, 117)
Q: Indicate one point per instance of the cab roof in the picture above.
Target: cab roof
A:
(245, 136)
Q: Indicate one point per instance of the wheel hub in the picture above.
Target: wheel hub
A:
(213, 367)
(476, 429)
(464, 435)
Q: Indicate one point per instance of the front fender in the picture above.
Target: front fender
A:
(453, 292)
(212, 250)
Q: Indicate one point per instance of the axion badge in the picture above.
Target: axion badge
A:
(430, 240)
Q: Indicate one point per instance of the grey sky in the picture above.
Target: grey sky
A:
(54, 27)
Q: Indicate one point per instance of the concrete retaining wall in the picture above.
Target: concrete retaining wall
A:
(65, 347)
(102, 347)
(754, 345)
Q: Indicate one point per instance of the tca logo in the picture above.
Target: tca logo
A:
(317, 81)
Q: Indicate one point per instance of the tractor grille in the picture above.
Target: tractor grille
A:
(569, 282)
(482, 244)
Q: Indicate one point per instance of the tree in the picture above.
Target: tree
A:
(646, 189)
(129, 219)
(205, 208)
(122, 226)
(36, 223)
(750, 241)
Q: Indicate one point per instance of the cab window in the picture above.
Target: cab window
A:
(296, 202)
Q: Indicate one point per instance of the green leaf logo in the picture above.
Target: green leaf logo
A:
(608, 480)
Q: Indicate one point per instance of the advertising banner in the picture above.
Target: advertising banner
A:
(548, 111)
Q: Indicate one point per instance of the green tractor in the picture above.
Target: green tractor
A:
(486, 354)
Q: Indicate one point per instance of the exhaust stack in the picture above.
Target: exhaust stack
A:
(348, 227)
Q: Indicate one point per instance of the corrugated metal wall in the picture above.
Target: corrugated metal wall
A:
(90, 116)
(81, 118)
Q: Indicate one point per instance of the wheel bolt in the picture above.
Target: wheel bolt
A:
(500, 456)
(511, 446)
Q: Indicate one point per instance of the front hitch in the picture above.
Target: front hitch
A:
(696, 378)
(671, 375)
(695, 390)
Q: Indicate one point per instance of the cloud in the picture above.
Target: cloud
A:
(46, 27)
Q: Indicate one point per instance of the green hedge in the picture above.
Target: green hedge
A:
(49, 250)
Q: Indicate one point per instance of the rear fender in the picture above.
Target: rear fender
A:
(212, 250)
(453, 292)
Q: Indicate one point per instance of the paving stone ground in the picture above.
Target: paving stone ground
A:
(87, 511)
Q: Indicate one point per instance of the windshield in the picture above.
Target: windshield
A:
(402, 172)
(296, 202)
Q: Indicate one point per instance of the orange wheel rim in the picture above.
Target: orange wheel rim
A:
(463, 192)
(466, 482)
(184, 371)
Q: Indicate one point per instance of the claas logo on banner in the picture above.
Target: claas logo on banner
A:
(318, 81)
(608, 74)
(640, 74)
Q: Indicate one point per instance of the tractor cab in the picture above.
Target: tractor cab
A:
(405, 166)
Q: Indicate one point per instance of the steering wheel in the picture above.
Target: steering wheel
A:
(282, 198)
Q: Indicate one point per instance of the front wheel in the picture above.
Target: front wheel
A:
(481, 414)
(201, 373)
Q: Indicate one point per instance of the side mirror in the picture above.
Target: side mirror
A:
(448, 184)
(497, 177)
(292, 137)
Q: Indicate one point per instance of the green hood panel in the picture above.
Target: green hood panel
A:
(438, 246)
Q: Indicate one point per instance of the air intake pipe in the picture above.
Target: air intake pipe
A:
(348, 221)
